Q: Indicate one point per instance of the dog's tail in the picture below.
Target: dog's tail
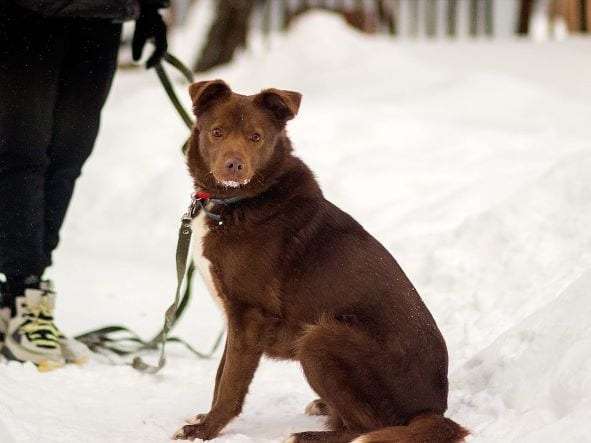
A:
(425, 428)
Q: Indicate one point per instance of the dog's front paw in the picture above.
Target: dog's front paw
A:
(191, 432)
(198, 427)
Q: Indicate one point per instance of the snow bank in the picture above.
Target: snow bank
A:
(502, 264)
(534, 382)
(5, 436)
(469, 161)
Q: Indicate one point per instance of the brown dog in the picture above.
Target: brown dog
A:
(300, 279)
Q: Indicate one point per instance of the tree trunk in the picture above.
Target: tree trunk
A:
(474, 15)
(525, 10)
(414, 18)
(228, 32)
(452, 17)
(387, 15)
(489, 17)
(431, 19)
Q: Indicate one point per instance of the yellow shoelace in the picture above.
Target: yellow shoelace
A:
(40, 318)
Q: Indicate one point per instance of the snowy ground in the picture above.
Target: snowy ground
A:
(470, 161)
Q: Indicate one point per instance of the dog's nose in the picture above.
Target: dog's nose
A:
(234, 165)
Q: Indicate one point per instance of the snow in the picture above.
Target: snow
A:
(537, 370)
(469, 160)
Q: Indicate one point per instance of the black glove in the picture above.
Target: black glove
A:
(149, 26)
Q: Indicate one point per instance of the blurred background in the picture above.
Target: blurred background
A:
(234, 21)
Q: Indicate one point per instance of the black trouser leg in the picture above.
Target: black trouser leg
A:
(86, 75)
(54, 78)
(31, 53)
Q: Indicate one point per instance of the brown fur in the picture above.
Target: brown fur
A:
(300, 279)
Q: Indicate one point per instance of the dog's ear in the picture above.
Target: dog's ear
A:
(204, 94)
(283, 104)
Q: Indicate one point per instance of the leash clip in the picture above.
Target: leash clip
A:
(188, 215)
(197, 200)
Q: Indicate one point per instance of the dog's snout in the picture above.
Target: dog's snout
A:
(234, 165)
(232, 169)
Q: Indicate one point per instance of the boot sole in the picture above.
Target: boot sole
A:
(48, 365)
(80, 361)
(44, 364)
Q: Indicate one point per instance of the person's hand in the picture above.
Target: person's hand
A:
(149, 26)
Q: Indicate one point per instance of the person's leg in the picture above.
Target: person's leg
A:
(31, 51)
(85, 80)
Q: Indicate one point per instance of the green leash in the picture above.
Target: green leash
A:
(121, 340)
(166, 83)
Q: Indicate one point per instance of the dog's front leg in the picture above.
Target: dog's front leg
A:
(218, 375)
(239, 362)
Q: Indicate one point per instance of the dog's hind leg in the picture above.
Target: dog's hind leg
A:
(334, 357)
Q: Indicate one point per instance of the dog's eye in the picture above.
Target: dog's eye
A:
(256, 137)
(217, 132)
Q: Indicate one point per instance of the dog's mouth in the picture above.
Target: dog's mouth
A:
(232, 179)
(233, 183)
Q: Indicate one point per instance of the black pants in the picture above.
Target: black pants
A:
(55, 75)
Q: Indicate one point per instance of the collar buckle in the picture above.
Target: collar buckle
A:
(197, 200)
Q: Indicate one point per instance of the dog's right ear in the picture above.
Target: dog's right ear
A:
(204, 94)
(283, 104)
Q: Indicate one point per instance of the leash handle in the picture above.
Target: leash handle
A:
(182, 253)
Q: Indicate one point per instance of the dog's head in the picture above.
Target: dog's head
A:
(238, 141)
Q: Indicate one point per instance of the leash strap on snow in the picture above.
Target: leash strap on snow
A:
(182, 252)
(121, 340)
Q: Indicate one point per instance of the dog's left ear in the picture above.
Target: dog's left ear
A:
(204, 94)
(283, 104)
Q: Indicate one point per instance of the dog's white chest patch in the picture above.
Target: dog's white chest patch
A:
(200, 230)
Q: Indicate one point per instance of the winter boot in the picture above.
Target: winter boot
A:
(73, 351)
(30, 334)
